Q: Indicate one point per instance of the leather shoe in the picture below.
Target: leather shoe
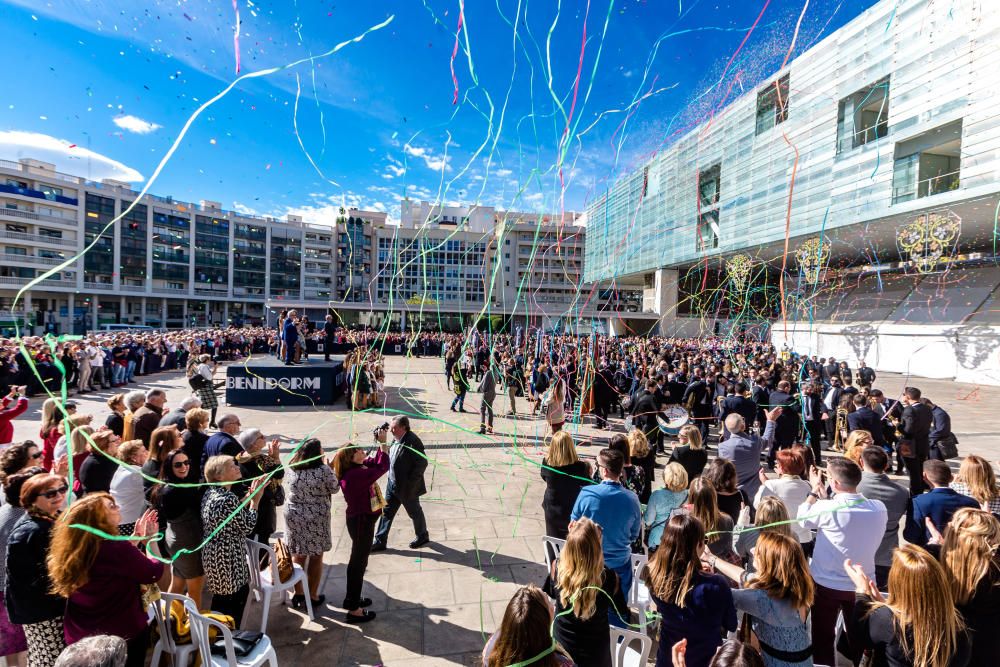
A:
(362, 603)
(363, 618)
(298, 601)
(419, 542)
(377, 546)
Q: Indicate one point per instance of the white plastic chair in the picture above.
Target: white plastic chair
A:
(622, 653)
(265, 583)
(553, 547)
(262, 653)
(180, 654)
(638, 595)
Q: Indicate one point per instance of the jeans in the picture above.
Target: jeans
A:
(232, 604)
(459, 402)
(130, 371)
(413, 510)
(117, 373)
(361, 528)
(624, 573)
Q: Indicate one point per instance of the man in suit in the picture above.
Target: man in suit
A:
(875, 484)
(938, 505)
(488, 388)
(674, 389)
(291, 337)
(866, 376)
(147, 418)
(831, 370)
(645, 409)
(787, 427)
(914, 443)
(831, 400)
(698, 400)
(406, 483)
(744, 449)
(760, 397)
(940, 429)
(814, 413)
(328, 331)
(738, 403)
(864, 418)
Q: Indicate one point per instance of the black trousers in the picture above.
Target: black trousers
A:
(413, 509)
(601, 412)
(232, 604)
(136, 649)
(327, 344)
(915, 470)
(361, 528)
(486, 410)
(814, 430)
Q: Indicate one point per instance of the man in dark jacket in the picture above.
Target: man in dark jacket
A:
(645, 409)
(147, 418)
(814, 413)
(224, 440)
(406, 483)
(914, 443)
(940, 429)
(329, 328)
(787, 426)
(698, 401)
(866, 376)
(738, 403)
(864, 418)
(938, 505)
(291, 337)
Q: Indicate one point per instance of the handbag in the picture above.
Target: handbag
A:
(244, 642)
(948, 446)
(377, 500)
(198, 381)
(284, 559)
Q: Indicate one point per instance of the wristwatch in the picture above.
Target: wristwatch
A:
(813, 494)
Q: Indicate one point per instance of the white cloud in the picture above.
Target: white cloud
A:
(135, 124)
(66, 155)
(503, 173)
(244, 209)
(433, 162)
(393, 170)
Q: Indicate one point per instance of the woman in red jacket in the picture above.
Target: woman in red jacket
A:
(10, 412)
(358, 477)
(103, 578)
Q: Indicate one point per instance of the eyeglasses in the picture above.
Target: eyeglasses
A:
(181, 464)
(36, 455)
(54, 493)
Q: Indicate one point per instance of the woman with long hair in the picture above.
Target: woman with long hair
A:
(162, 441)
(970, 555)
(116, 420)
(227, 525)
(524, 634)
(703, 504)
(663, 502)
(179, 507)
(358, 477)
(977, 480)
(586, 590)
(49, 432)
(643, 456)
(311, 482)
(694, 605)
(856, 442)
(29, 598)
(19, 457)
(562, 471)
(102, 578)
(555, 413)
(777, 597)
(13, 644)
(731, 499)
(918, 624)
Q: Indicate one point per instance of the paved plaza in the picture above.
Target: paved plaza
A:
(437, 605)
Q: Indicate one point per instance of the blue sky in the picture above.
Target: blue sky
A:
(104, 87)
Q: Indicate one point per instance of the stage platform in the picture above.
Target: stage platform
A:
(265, 380)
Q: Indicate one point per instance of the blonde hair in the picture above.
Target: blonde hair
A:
(977, 474)
(216, 466)
(772, 510)
(971, 541)
(638, 445)
(561, 450)
(75, 421)
(196, 417)
(675, 477)
(581, 568)
(51, 414)
(693, 435)
(782, 570)
(78, 439)
(923, 608)
(856, 442)
(100, 440)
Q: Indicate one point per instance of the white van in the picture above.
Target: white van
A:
(137, 328)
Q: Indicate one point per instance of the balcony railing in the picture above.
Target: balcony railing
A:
(98, 286)
(37, 194)
(36, 238)
(32, 259)
(133, 288)
(927, 187)
(211, 292)
(31, 215)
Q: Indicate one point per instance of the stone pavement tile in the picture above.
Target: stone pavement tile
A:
(489, 584)
(456, 529)
(374, 588)
(406, 590)
(464, 659)
(528, 574)
(393, 636)
(505, 551)
(457, 628)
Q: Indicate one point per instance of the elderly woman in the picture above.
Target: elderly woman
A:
(307, 515)
(116, 420)
(224, 556)
(204, 384)
(28, 596)
(256, 462)
(102, 578)
(13, 645)
(127, 485)
(99, 467)
(179, 507)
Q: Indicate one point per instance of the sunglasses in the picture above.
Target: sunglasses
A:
(54, 493)
(182, 464)
(36, 455)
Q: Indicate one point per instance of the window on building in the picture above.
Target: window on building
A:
(9, 250)
(709, 181)
(708, 232)
(50, 233)
(927, 164)
(863, 116)
(772, 105)
(20, 229)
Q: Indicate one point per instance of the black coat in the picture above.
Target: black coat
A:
(408, 468)
(866, 419)
(916, 425)
(787, 427)
(562, 486)
(741, 406)
(27, 598)
(645, 410)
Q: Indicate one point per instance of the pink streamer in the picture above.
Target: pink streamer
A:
(236, 36)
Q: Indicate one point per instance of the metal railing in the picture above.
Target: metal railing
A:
(927, 187)
(36, 238)
(32, 259)
(98, 286)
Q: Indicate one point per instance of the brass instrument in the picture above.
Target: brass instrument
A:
(840, 430)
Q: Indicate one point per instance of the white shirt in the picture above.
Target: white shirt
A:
(792, 491)
(126, 489)
(848, 526)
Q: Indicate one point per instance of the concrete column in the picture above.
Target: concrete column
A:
(149, 248)
(70, 305)
(163, 312)
(664, 297)
(94, 312)
(116, 230)
(142, 304)
(184, 313)
(225, 313)
(122, 308)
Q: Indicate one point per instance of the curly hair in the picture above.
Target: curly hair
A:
(73, 552)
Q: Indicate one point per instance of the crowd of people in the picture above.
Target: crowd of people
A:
(749, 556)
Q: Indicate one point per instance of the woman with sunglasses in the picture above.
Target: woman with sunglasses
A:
(13, 645)
(102, 578)
(19, 457)
(29, 600)
(180, 507)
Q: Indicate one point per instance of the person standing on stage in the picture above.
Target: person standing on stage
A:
(328, 330)
(406, 483)
(291, 337)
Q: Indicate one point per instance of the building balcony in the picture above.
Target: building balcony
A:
(211, 292)
(48, 282)
(37, 194)
(31, 215)
(132, 288)
(37, 238)
(927, 187)
(104, 287)
(32, 259)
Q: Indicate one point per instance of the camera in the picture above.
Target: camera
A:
(383, 427)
